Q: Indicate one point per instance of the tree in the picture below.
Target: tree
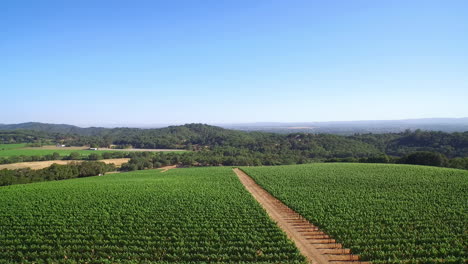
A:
(425, 158)
(459, 163)
(74, 156)
(94, 156)
(107, 155)
(376, 159)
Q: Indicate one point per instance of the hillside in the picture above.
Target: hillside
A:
(53, 128)
(448, 125)
(201, 136)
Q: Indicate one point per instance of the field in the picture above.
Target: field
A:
(384, 213)
(11, 146)
(36, 165)
(181, 215)
(8, 150)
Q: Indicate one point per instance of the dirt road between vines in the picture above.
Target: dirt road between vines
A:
(314, 244)
(36, 165)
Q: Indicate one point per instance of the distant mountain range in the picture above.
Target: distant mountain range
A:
(352, 127)
(53, 128)
(335, 127)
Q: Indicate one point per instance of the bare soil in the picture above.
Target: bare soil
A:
(36, 165)
(314, 244)
(166, 168)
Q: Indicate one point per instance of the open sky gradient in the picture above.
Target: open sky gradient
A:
(157, 62)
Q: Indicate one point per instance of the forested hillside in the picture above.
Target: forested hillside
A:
(54, 128)
(218, 146)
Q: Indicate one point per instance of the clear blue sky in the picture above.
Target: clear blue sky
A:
(150, 62)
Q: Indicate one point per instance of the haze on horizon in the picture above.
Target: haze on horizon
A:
(148, 62)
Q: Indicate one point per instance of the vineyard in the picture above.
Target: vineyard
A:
(384, 213)
(182, 215)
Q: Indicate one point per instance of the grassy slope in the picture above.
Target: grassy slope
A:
(42, 152)
(383, 212)
(11, 146)
(8, 150)
(201, 214)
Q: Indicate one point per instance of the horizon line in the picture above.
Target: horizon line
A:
(159, 125)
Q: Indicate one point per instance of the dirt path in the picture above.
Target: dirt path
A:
(314, 244)
(166, 168)
(36, 165)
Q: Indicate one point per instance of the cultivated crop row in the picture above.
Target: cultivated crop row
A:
(384, 213)
(186, 215)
